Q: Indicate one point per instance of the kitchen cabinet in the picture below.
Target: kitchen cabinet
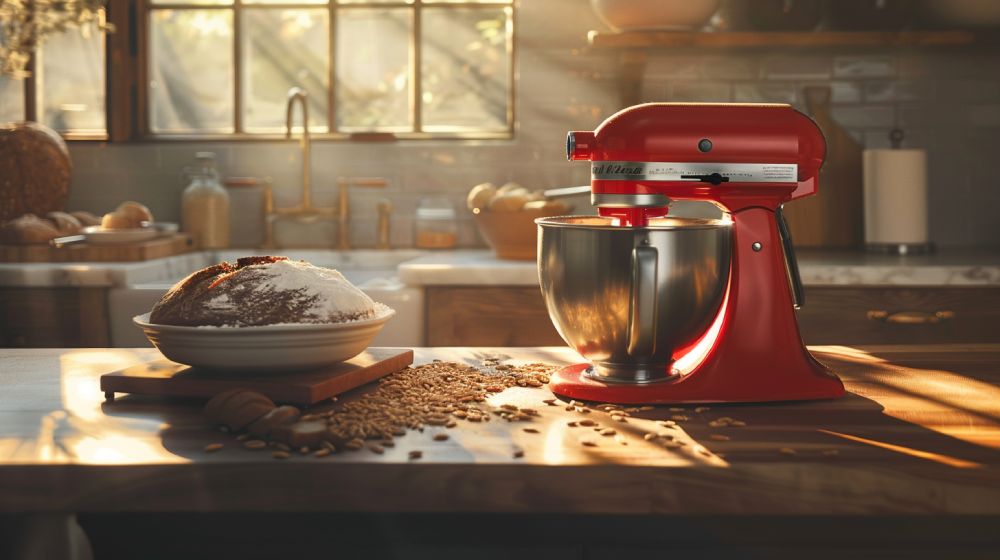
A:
(516, 315)
(488, 316)
(897, 315)
(53, 317)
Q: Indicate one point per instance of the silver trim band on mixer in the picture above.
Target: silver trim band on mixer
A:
(687, 171)
(606, 200)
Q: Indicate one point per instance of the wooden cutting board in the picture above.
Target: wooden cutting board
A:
(160, 247)
(165, 378)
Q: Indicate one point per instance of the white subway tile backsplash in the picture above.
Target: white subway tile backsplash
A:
(903, 90)
(797, 67)
(765, 93)
(863, 67)
(866, 116)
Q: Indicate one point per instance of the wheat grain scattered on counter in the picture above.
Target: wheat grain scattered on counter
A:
(213, 447)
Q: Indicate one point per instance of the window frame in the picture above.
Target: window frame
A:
(137, 83)
(30, 93)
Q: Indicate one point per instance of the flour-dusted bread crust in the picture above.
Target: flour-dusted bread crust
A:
(259, 291)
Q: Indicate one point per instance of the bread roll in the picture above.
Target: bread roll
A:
(65, 223)
(86, 219)
(510, 187)
(552, 207)
(268, 423)
(116, 220)
(511, 202)
(137, 213)
(480, 196)
(28, 229)
(237, 408)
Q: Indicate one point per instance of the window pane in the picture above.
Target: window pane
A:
(70, 81)
(465, 69)
(373, 69)
(191, 70)
(281, 49)
(207, 2)
(11, 99)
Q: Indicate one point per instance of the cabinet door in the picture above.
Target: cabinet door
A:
(493, 316)
(53, 317)
(871, 315)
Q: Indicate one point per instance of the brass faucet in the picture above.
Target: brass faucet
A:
(344, 205)
(305, 209)
(384, 209)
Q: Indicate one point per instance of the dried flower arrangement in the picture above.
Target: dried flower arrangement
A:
(25, 24)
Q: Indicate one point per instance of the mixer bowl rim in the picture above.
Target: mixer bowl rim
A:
(600, 223)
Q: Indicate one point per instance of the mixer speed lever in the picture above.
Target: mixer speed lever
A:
(713, 178)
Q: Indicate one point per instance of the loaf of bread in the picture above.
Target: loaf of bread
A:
(259, 291)
(86, 219)
(67, 224)
(28, 229)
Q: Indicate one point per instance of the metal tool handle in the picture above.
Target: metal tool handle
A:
(67, 240)
(643, 302)
(791, 265)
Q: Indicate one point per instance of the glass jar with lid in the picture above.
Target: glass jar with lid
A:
(435, 226)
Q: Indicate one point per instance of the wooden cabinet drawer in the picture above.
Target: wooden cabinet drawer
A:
(871, 315)
(488, 316)
(53, 317)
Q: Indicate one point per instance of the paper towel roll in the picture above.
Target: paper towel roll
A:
(895, 187)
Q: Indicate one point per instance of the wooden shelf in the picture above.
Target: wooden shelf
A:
(756, 39)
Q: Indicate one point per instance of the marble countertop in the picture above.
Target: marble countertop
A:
(98, 274)
(479, 267)
(817, 268)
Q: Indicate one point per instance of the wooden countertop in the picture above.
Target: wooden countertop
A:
(919, 433)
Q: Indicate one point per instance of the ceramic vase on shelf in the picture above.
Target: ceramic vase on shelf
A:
(653, 15)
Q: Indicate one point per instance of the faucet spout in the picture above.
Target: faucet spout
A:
(300, 95)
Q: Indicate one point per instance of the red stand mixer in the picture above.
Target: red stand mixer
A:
(684, 310)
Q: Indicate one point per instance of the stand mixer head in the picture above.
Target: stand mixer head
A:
(683, 310)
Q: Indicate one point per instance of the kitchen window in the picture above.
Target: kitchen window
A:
(415, 69)
(66, 87)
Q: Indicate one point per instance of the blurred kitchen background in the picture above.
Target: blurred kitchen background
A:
(432, 99)
(945, 97)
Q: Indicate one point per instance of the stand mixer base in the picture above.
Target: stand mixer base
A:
(574, 382)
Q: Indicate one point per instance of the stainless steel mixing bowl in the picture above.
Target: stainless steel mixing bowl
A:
(628, 298)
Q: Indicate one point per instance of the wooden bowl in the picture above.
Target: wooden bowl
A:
(512, 235)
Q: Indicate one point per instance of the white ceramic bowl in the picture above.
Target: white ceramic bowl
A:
(271, 348)
(647, 15)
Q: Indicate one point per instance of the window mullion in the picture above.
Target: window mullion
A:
(237, 66)
(31, 91)
(416, 56)
(331, 66)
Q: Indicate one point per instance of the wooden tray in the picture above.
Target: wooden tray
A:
(165, 378)
(85, 252)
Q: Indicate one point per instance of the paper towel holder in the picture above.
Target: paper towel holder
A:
(896, 137)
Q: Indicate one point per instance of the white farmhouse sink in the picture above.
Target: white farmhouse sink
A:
(372, 271)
